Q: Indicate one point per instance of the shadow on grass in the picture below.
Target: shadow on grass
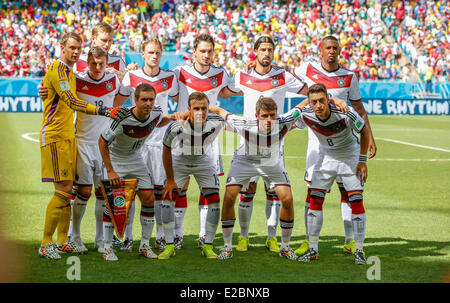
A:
(402, 260)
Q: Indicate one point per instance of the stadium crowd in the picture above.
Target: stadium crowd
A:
(421, 30)
(30, 31)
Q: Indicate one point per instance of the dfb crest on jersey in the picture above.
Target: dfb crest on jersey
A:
(109, 86)
(341, 82)
(164, 84)
(275, 82)
(214, 82)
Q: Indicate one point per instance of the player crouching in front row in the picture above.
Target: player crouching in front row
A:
(259, 156)
(340, 155)
(120, 149)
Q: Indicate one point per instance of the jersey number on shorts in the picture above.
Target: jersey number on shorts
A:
(330, 142)
(137, 144)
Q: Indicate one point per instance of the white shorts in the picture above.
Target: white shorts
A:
(327, 169)
(255, 179)
(152, 155)
(312, 156)
(215, 154)
(202, 168)
(90, 167)
(242, 170)
(135, 170)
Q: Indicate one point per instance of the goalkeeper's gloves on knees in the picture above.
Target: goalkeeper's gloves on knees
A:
(117, 113)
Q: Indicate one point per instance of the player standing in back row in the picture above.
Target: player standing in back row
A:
(200, 76)
(270, 81)
(341, 83)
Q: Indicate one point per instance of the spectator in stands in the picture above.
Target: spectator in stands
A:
(419, 28)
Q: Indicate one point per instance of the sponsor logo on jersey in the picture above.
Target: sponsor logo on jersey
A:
(159, 85)
(275, 82)
(198, 84)
(262, 85)
(164, 84)
(82, 65)
(326, 130)
(341, 82)
(95, 89)
(330, 82)
(136, 131)
(109, 86)
(214, 82)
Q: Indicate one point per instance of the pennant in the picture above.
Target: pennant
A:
(118, 202)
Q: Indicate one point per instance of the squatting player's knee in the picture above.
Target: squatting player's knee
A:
(64, 186)
(84, 190)
(147, 198)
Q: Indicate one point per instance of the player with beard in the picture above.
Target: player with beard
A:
(263, 79)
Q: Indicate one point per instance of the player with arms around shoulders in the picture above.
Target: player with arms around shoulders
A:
(57, 141)
(120, 146)
(200, 76)
(258, 79)
(259, 156)
(341, 154)
(341, 83)
(185, 153)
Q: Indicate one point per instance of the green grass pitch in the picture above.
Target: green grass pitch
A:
(406, 199)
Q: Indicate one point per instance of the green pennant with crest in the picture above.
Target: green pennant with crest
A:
(118, 202)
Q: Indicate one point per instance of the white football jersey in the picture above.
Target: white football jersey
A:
(102, 92)
(258, 144)
(188, 142)
(341, 83)
(125, 138)
(190, 80)
(115, 62)
(336, 135)
(166, 85)
(274, 84)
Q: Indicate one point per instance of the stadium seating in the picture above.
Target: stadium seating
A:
(381, 40)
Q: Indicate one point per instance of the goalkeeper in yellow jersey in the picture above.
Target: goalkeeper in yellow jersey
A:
(57, 142)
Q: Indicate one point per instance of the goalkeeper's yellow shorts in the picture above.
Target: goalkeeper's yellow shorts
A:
(59, 161)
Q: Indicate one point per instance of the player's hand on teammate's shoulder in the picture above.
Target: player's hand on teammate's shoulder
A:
(132, 66)
(117, 113)
(119, 74)
(340, 104)
(180, 117)
(249, 66)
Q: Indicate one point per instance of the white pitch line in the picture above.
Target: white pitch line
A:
(376, 159)
(27, 137)
(415, 145)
